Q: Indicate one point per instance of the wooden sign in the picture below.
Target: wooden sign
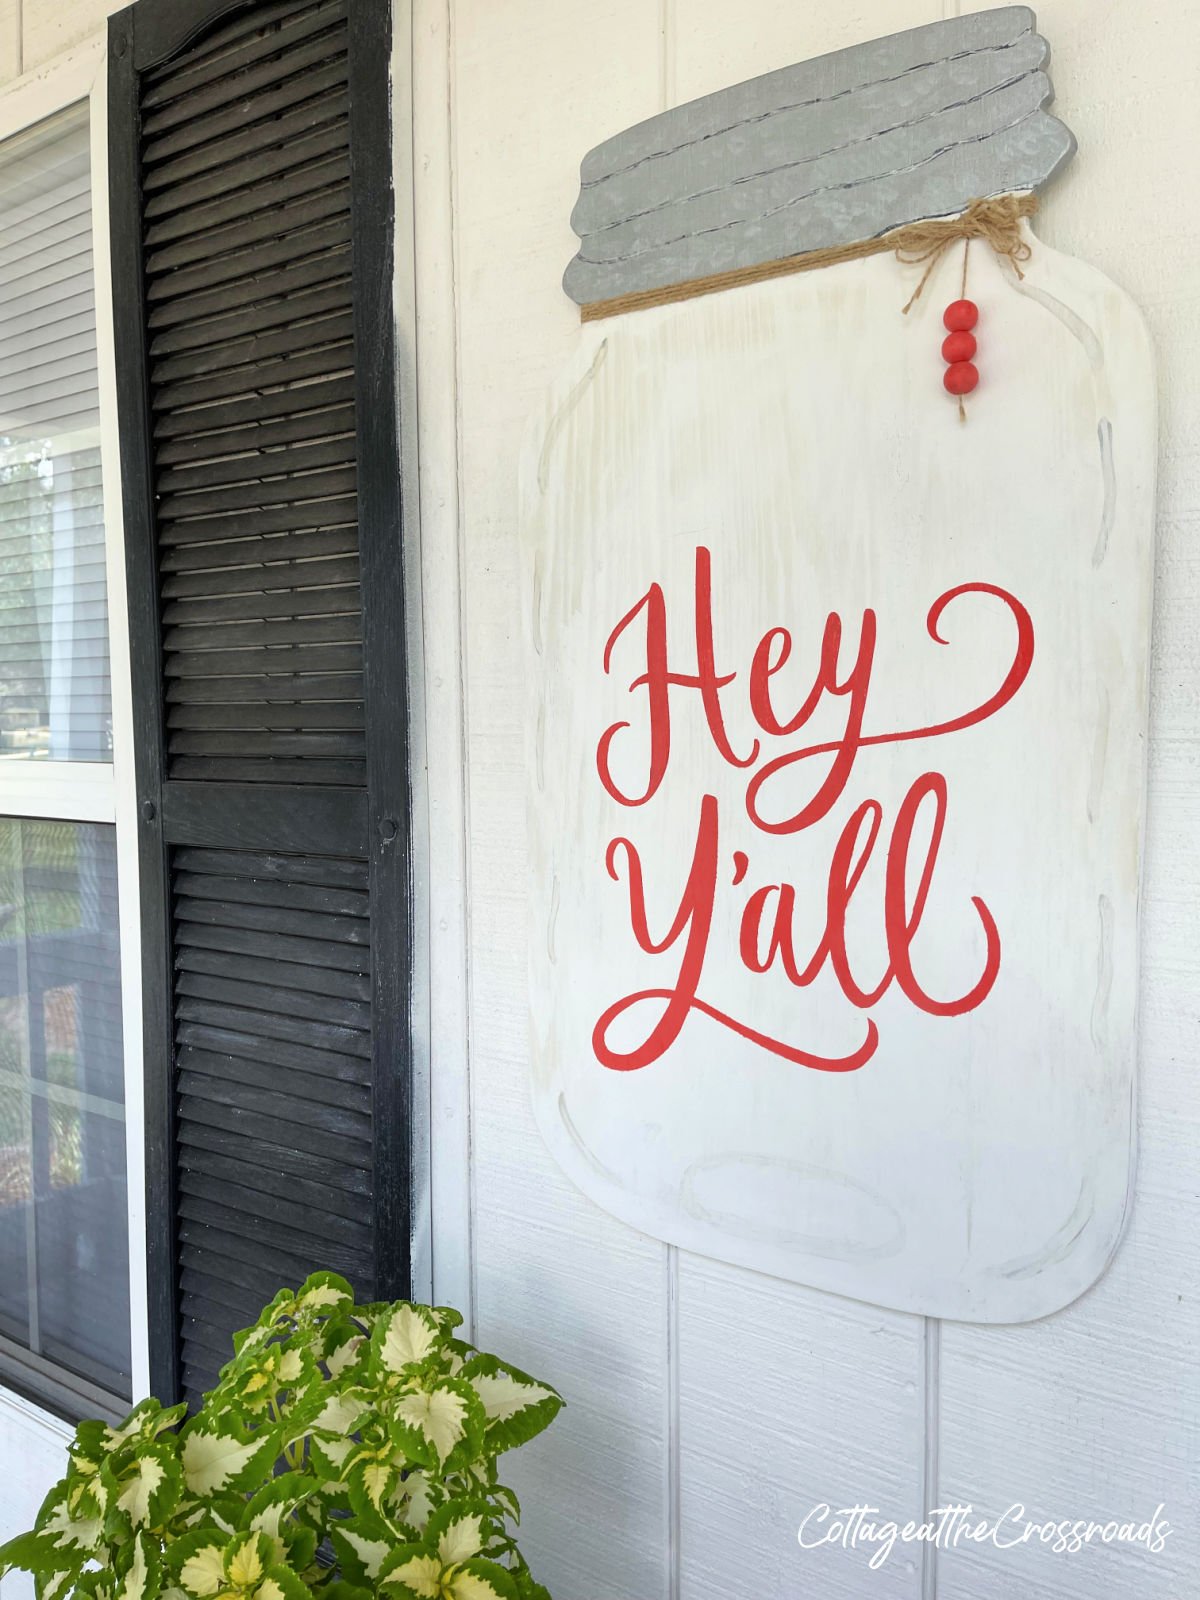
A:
(838, 711)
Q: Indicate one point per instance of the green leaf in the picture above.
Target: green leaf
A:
(406, 1338)
(517, 1407)
(52, 1583)
(329, 1455)
(219, 1454)
(247, 1558)
(371, 1478)
(339, 1414)
(272, 1511)
(197, 1562)
(69, 1536)
(440, 1427)
(459, 1530)
(362, 1544)
(323, 1293)
(147, 1489)
(281, 1583)
(507, 1501)
(139, 1573)
(344, 1348)
(30, 1552)
(526, 1587)
(480, 1580)
(411, 1571)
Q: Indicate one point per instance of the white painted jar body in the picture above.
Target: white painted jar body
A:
(886, 1032)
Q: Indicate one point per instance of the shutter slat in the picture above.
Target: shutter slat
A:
(216, 197)
(244, 31)
(304, 398)
(235, 1242)
(254, 1176)
(242, 92)
(321, 357)
(203, 333)
(304, 923)
(198, 1288)
(245, 267)
(278, 947)
(298, 333)
(274, 1129)
(252, 717)
(289, 576)
(224, 252)
(261, 997)
(270, 891)
(325, 871)
(296, 689)
(260, 659)
(193, 311)
(317, 1220)
(215, 64)
(198, 1141)
(297, 458)
(301, 630)
(233, 119)
(204, 1031)
(321, 163)
(294, 505)
(318, 426)
(271, 974)
(220, 1040)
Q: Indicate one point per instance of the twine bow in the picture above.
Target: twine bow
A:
(996, 221)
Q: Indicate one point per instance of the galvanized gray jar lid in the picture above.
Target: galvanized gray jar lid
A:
(833, 150)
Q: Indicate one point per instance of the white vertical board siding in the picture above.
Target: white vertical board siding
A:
(1095, 1413)
(711, 1407)
(561, 1289)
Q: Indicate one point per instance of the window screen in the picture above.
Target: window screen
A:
(64, 1263)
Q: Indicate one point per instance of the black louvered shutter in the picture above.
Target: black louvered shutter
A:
(252, 220)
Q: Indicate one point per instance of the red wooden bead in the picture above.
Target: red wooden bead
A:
(961, 315)
(958, 346)
(961, 377)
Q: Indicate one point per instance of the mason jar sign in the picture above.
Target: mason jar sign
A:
(838, 630)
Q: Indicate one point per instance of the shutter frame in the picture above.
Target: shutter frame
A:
(371, 822)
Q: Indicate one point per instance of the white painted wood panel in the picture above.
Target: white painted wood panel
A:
(961, 1145)
(49, 26)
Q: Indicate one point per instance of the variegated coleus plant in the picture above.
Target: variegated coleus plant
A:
(347, 1453)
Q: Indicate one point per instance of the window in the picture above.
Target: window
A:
(55, 699)
(64, 1288)
(64, 1259)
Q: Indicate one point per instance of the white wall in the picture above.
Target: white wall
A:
(709, 1408)
(32, 1457)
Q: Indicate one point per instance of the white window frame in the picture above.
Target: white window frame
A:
(86, 791)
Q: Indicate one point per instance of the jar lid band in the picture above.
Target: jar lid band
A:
(813, 157)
